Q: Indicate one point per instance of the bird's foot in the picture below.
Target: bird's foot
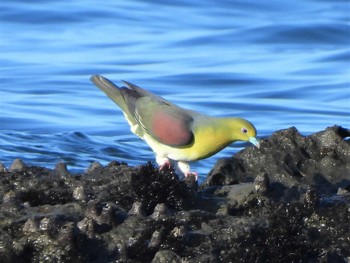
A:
(184, 168)
(166, 165)
(188, 174)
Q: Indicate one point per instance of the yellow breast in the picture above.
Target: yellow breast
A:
(208, 140)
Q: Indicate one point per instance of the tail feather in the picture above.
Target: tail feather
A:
(111, 90)
(125, 98)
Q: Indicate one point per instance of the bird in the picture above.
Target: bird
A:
(175, 134)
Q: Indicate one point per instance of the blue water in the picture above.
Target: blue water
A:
(277, 63)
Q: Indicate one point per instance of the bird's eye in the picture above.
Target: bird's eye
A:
(244, 130)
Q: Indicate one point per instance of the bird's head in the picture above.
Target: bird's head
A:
(245, 131)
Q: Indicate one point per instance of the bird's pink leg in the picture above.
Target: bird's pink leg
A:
(184, 167)
(164, 163)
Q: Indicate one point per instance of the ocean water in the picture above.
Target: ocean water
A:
(276, 63)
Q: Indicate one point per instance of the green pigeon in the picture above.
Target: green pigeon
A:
(174, 133)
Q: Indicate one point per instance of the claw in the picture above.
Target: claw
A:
(165, 165)
(192, 173)
(184, 168)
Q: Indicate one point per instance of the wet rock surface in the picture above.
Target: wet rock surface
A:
(288, 201)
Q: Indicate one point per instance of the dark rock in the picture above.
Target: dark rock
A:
(166, 256)
(67, 233)
(80, 193)
(10, 198)
(95, 166)
(31, 226)
(2, 168)
(61, 169)
(311, 198)
(342, 191)
(87, 226)
(17, 165)
(285, 202)
(262, 184)
(156, 239)
(321, 160)
(136, 209)
(160, 211)
(152, 187)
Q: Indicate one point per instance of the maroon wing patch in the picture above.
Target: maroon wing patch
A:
(172, 129)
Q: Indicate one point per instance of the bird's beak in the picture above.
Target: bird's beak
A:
(254, 141)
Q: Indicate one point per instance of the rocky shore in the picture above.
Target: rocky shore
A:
(288, 201)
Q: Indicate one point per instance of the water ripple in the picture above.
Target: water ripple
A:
(276, 63)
